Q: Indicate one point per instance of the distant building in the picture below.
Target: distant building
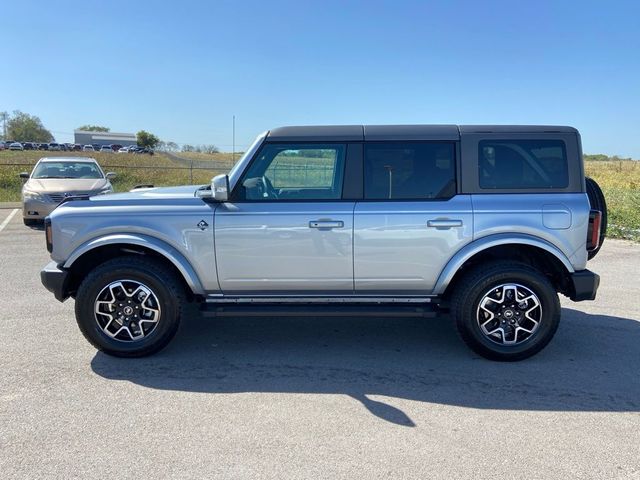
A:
(84, 137)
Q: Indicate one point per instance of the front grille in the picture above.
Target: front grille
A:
(55, 197)
(59, 197)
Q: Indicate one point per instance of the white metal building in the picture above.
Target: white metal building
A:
(84, 137)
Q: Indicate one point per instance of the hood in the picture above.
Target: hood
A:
(66, 185)
(164, 193)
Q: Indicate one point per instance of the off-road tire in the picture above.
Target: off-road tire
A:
(154, 274)
(597, 202)
(470, 290)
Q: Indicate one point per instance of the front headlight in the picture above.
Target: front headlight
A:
(104, 191)
(29, 195)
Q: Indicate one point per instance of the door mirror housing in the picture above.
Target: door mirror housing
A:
(110, 175)
(24, 175)
(220, 188)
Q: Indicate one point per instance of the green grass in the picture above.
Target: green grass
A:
(218, 158)
(620, 180)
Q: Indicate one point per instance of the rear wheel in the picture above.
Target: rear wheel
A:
(129, 306)
(597, 202)
(505, 312)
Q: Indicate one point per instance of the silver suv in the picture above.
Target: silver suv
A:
(485, 223)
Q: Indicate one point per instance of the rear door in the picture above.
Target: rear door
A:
(411, 221)
(287, 229)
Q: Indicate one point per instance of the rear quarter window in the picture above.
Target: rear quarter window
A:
(522, 164)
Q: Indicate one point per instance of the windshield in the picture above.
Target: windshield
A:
(67, 170)
(236, 170)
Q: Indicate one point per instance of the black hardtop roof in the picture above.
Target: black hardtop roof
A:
(399, 132)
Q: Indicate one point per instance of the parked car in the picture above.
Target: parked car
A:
(486, 224)
(106, 149)
(96, 147)
(77, 147)
(115, 147)
(54, 147)
(54, 179)
(43, 146)
(141, 151)
(16, 146)
(88, 148)
(123, 150)
(27, 146)
(3, 146)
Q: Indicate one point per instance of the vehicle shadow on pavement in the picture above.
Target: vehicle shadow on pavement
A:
(591, 364)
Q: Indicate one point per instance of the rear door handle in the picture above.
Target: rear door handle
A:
(444, 223)
(326, 224)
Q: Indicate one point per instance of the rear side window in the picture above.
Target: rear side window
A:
(522, 164)
(409, 171)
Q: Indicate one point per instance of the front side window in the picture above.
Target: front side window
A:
(295, 172)
(409, 171)
(522, 164)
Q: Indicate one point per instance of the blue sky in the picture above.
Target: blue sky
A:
(182, 69)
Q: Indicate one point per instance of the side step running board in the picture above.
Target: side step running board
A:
(315, 310)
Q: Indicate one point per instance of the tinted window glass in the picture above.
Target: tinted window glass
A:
(522, 164)
(406, 170)
(295, 172)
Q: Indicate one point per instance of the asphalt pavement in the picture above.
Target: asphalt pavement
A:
(329, 398)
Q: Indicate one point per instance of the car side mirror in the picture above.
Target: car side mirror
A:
(110, 175)
(220, 188)
(24, 175)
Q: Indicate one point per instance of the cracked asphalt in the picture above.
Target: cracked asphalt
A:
(311, 397)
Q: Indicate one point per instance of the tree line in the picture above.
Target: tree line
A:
(23, 127)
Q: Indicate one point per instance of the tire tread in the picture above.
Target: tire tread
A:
(164, 275)
(460, 301)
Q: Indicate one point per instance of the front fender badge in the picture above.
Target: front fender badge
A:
(202, 225)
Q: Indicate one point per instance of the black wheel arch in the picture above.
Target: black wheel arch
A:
(538, 258)
(95, 257)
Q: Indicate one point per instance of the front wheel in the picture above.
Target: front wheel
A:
(129, 306)
(505, 312)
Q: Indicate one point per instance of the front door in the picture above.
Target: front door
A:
(286, 229)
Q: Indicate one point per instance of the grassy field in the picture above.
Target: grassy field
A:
(620, 180)
(131, 170)
(218, 158)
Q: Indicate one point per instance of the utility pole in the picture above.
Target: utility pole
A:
(233, 155)
(4, 116)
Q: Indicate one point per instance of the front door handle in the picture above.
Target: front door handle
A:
(326, 224)
(444, 223)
